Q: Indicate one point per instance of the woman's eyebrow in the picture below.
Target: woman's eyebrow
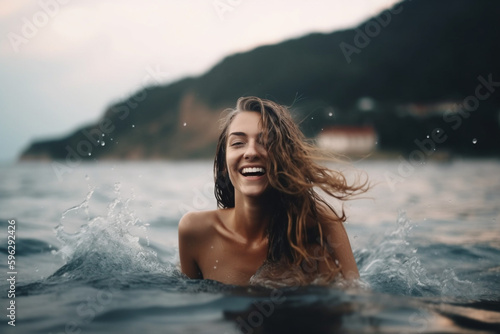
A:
(237, 134)
(243, 134)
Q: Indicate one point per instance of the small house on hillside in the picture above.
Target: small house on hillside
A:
(348, 139)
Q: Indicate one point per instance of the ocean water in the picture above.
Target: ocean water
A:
(96, 252)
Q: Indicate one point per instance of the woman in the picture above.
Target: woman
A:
(271, 226)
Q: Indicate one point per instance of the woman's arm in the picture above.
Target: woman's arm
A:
(338, 242)
(188, 245)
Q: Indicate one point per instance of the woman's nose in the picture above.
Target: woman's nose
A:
(251, 151)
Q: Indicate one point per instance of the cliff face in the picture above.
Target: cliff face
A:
(422, 52)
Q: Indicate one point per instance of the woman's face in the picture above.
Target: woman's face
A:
(246, 155)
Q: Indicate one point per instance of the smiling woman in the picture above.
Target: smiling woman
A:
(272, 227)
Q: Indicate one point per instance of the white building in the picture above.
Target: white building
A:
(348, 139)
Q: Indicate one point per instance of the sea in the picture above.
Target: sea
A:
(92, 248)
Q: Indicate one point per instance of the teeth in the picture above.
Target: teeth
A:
(252, 170)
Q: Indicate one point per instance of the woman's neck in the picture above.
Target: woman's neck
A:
(251, 216)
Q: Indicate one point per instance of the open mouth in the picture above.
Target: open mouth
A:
(253, 171)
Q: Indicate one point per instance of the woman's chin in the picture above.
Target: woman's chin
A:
(254, 191)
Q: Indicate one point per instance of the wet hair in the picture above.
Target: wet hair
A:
(294, 176)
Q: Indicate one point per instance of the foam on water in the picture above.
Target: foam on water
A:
(111, 246)
(107, 246)
(393, 266)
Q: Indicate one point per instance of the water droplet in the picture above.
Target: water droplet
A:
(111, 139)
(185, 124)
(474, 141)
(425, 218)
(90, 154)
(217, 261)
(103, 134)
(330, 114)
(133, 125)
(103, 143)
(312, 117)
(427, 136)
(212, 247)
(215, 267)
(437, 131)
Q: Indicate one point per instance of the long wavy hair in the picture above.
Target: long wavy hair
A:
(294, 176)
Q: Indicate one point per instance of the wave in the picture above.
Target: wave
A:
(113, 277)
(113, 250)
(394, 265)
(27, 246)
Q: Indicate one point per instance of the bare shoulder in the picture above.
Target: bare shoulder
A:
(333, 228)
(197, 222)
(194, 231)
(337, 242)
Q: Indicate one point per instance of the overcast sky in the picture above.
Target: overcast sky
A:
(63, 62)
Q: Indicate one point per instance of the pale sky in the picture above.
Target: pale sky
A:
(62, 62)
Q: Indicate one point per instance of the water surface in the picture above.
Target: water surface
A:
(96, 252)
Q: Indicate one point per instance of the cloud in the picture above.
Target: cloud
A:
(9, 8)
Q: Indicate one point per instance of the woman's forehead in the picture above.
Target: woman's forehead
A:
(248, 122)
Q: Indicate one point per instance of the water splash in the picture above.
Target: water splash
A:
(107, 246)
(393, 266)
(83, 205)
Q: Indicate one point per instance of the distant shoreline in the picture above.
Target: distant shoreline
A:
(440, 156)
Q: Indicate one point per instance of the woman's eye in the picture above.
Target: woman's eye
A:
(237, 143)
